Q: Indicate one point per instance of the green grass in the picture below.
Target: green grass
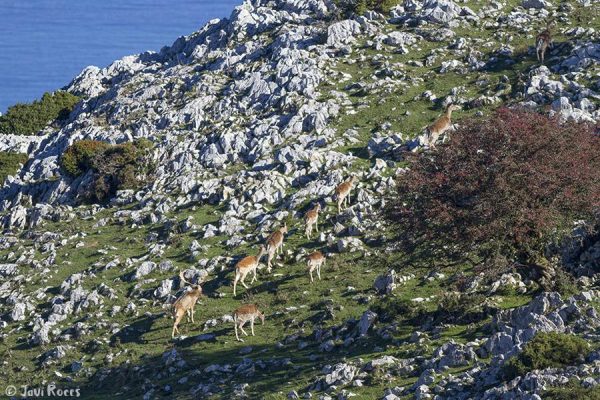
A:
(149, 336)
(572, 390)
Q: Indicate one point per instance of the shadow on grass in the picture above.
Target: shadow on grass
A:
(267, 369)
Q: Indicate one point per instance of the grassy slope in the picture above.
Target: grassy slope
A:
(149, 334)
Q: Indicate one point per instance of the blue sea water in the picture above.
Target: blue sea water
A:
(46, 43)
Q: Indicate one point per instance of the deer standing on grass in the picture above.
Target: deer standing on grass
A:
(315, 261)
(441, 125)
(312, 218)
(275, 244)
(543, 41)
(342, 192)
(184, 305)
(245, 266)
(247, 312)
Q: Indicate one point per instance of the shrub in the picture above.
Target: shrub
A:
(114, 167)
(77, 158)
(389, 308)
(505, 185)
(9, 163)
(461, 308)
(546, 350)
(359, 7)
(27, 119)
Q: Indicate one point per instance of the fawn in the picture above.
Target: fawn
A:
(245, 266)
(312, 218)
(314, 262)
(247, 312)
(275, 244)
(543, 41)
(441, 125)
(185, 304)
(343, 190)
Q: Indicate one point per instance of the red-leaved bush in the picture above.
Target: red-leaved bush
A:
(507, 184)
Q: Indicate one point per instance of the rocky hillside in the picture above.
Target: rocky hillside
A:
(253, 120)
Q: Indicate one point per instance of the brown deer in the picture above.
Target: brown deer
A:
(441, 125)
(543, 41)
(312, 218)
(315, 261)
(247, 312)
(275, 244)
(245, 266)
(343, 190)
(184, 305)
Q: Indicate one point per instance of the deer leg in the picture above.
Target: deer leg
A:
(178, 317)
(319, 271)
(252, 326)
(317, 225)
(269, 262)
(254, 275)
(242, 328)
(192, 312)
(236, 332)
(242, 280)
(311, 276)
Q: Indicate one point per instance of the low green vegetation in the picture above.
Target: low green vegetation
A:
(27, 119)
(115, 167)
(546, 350)
(359, 7)
(9, 163)
(573, 390)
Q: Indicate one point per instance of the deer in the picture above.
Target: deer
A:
(342, 192)
(184, 305)
(275, 244)
(312, 218)
(543, 41)
(245, 266)
(441, 125)
(247, 312)
(315, 261)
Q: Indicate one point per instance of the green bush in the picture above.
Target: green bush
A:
(359, 7)
(27, 119)
(461, 308)
(114, 167)
(77, 159)
(390, 308)
(546, 350)
(9, 163)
